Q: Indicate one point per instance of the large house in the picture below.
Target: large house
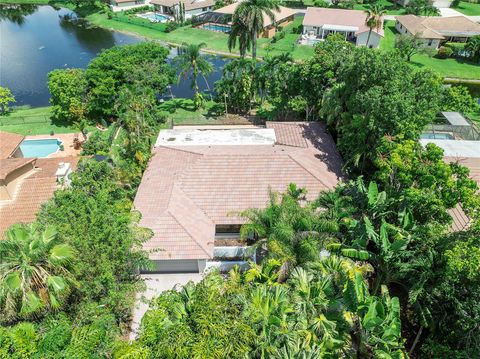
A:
(192, 7)
(321, 22)
(26, 183)
(127, 3)
(199, 181)
(436, 30)
(221, 20)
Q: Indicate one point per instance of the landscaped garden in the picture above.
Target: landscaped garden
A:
(468, 8)
(450, 67)
(33, 121)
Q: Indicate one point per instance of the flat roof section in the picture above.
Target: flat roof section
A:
(456, 148)
(196, 137)
(455, 118)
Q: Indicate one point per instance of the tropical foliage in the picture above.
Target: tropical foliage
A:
(36, 272)
(6, 99)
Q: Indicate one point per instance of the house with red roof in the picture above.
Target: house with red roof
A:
(319, 23)
(199, 181)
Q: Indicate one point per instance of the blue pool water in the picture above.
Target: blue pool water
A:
(436, 136)
(216, 27)
(39, 148)
(155, 17)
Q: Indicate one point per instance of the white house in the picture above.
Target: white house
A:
(436, 30)
(192, 7)
(127, 3)
(321, 22)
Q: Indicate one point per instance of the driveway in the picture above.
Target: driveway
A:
(156, 284)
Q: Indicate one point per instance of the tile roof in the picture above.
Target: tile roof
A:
(316, 16)
(187, 190)
(8, 165)
(439, 27)
(189, 4)
(32, 191)
(280, 15)
(460, 219)
(8, 143)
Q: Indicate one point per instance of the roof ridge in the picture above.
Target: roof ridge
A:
(186, 230)
(306, 169)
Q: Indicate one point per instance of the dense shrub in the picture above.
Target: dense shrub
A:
(444, 52)
(97, 144)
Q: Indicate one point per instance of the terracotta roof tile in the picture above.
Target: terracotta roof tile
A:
(8, 143)
(8, 165)
(187, 190)
(32, 192)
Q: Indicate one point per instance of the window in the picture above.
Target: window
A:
(430, 41)
(204, 8)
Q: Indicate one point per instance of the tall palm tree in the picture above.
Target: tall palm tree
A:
(240, 30)
(374, 19)
(251, 12)
(35, 271)
(190, 61)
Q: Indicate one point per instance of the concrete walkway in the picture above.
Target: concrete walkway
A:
(156, 284)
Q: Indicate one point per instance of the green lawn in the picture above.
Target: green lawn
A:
(468, 8)
(215, 41)
(390, 7)
(35, 2)
(447, 68)
(181, 112)
(33, 121)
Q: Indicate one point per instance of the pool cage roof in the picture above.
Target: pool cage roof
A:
(213, 17)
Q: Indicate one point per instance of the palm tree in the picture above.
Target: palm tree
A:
(240, 30)
(374, 19)
(35, 271)
(191, 61)
(251, 12)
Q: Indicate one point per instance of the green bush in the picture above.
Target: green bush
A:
(97, 144)
(444, 52)
(171, 26)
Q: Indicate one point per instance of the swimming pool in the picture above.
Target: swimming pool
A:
(154, 17)
(216, 27)
(40, 148)
(436, 136)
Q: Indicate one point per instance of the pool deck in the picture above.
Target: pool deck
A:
(66, 138)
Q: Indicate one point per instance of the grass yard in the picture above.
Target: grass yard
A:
(468, 8)
(33, 2)
(215, 41)
(447, 67)
(33, 121)
(389, 6)
(181, 112)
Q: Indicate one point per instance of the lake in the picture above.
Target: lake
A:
(35, 40)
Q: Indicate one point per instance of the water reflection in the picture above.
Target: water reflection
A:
(16, 13)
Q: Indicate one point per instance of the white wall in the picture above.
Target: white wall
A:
(374, 40)
(430, 43)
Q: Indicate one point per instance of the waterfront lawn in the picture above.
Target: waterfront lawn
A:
(445, 67)
(33, 2)
(468, 8)
(216, 41)
(33, 121)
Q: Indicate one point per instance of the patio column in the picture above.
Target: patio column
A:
(322, 32)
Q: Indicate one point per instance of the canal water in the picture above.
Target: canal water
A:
(35, 40)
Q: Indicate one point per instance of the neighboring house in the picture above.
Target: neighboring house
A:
(436, 30)
(221, 20)
(321, 22)
(466, 153)
(127, 3)
(25, 183)
(192, 7)
(198, 181)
